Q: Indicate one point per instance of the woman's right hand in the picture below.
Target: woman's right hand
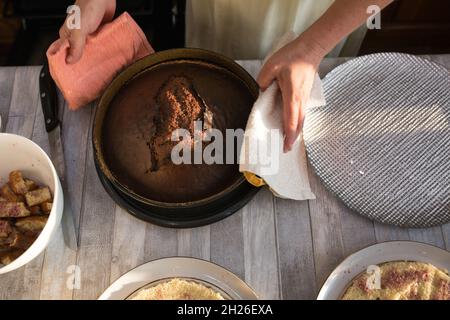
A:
(92, 14)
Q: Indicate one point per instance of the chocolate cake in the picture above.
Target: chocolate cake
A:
(179, 106)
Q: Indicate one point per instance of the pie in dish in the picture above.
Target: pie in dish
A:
(401, 281)
(177, 289)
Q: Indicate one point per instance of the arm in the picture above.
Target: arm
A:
(294, 66)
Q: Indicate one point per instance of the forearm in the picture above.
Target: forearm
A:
(342, 18)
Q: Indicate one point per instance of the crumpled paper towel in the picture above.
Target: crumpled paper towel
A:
(262, 149)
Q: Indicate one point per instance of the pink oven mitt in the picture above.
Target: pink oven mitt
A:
(114, 46)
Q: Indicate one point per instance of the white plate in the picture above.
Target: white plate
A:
(358, 262)
(198, 270)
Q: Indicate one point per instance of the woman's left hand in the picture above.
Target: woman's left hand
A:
(293, 67)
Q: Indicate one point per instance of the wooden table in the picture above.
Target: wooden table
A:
(283, 249)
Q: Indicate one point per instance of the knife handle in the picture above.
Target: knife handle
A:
(49, 99)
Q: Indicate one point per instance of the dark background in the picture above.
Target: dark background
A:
(27, 27)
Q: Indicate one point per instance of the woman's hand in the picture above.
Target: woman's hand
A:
(93, 14)
(293, 67)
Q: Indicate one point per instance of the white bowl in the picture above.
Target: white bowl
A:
(19, 153)
(355, 264)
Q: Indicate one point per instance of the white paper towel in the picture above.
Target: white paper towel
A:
(262, 148)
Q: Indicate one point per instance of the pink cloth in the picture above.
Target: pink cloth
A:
(114, 46)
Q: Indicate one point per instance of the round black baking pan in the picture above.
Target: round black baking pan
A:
(188, 217)
(182, 214)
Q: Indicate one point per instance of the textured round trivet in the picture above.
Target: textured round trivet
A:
(382, 142)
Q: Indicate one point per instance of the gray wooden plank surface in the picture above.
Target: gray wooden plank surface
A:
(326, 230)
(227, 237)
(384, 232)
(295, 249)
(282, 248)
(194, 243)
(260, 248)
(160, 242)
(96, 234)
(6, 85)
(446, 235)
(357, 232)
(432, 236)
(128, 243)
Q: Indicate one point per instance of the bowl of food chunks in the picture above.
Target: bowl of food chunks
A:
(31, 201)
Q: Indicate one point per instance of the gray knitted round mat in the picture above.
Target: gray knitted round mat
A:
(382, 142)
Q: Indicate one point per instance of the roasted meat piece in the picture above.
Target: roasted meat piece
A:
(13, 210)
(46, 207)
(6, 257)
(35, 210)
(7, 242)
(5, 228)
(21, 240)
(179, 106)
(31, 185)
(17, 182)
(9, 195)
(38, 196)
(33, 224)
